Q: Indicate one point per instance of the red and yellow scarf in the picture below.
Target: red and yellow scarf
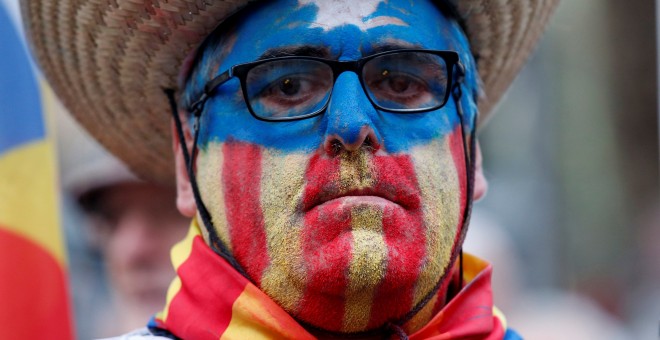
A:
(210, 300)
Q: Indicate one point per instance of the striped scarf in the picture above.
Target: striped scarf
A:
(210, 300)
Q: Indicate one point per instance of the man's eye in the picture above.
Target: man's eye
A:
(291, 92)
(290, 86)
(398, 87)
(400, 84)
(286, 87)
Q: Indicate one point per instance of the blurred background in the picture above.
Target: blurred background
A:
(572, 161)
(572, 217)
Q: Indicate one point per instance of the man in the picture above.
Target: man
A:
(326, 153)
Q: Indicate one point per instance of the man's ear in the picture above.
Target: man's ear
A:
(480, 183)
(185, 200)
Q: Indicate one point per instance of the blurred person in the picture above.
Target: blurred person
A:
(325, 151)
(131, 223)
(134, 225)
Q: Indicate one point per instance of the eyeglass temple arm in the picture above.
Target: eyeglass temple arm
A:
(456, 89)
(460, 73)
(457, 93)
(196, 107)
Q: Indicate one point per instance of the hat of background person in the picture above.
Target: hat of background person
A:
(84, 165)
(109, 60)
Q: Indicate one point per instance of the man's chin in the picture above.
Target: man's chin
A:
(347, 274)
(357, 261)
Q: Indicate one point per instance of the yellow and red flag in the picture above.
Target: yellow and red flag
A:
(34, 302)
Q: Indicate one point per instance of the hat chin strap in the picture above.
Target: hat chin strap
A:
(216, 244)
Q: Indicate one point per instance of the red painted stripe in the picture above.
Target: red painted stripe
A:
(241, 179)
(33, 291)
(326, 264)
(397, 173)
(209, 281)
(322, 175)
(405, 238)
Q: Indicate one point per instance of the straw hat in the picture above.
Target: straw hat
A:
(109, 60)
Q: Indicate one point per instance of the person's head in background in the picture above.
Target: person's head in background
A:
(132, 224)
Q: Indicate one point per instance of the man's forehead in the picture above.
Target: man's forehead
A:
(335, 29)
(362, 14)
(337, 26)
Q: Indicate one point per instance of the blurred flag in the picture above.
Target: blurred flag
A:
(34, 301)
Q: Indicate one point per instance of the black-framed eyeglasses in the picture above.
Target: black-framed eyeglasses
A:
(299, 87)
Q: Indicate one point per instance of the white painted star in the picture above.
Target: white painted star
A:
(336, 13)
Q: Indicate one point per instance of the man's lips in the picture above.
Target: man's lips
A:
(403, 198)
(357, 195)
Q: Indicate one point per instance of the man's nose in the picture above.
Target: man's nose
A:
(350, 117)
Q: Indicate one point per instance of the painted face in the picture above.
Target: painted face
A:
(348, 219)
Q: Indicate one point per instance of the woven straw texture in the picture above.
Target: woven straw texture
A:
(108, 60)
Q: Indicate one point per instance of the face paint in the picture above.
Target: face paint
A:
(333, 14)
(345, 240)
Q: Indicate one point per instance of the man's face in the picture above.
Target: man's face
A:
(347, 219)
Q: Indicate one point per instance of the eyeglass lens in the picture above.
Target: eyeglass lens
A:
(297, 87)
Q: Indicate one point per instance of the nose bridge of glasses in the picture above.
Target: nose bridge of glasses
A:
(340, 66)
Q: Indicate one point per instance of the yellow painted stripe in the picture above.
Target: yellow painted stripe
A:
(367, 267)
(282, 184)
(369, 251)
(422, 317)
(179, 254)
(210, 163)
(355, 171)
(439, 186)
(28, 196)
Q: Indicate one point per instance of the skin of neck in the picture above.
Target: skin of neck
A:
(348, 220)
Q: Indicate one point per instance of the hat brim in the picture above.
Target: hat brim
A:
(109, 61)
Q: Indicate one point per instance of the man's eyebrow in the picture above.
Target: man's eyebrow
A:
(306, 51)
(392, 46)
